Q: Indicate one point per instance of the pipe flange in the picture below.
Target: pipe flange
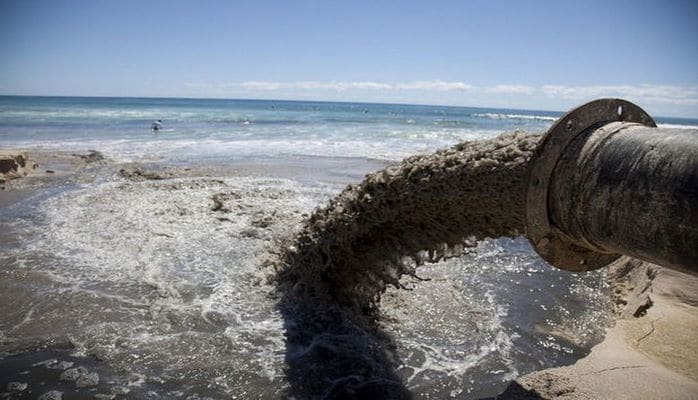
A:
(551, 244)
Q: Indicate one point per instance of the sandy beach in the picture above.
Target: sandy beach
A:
(348, 200)
(649, 353)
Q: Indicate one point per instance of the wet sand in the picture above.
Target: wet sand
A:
(650, 352)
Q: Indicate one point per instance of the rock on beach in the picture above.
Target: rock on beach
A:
(13, 165)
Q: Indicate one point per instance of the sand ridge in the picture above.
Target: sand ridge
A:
(648, 354)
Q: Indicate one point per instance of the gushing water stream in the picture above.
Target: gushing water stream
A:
(333, 273)
(209, 284)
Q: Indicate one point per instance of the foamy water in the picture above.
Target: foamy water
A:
(148, 277)
(195, 128)
(172, 294)
(119, 127)
(151, 280)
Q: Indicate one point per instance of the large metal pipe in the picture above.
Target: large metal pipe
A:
(605, 182)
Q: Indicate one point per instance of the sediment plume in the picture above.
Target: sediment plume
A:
(332, 274)
(424, 209)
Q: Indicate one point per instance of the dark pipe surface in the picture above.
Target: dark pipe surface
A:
(630, 189)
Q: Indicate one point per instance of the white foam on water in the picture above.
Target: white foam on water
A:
(677, 126)
(153, 276)
(449, 331)
(392, 145)
(502, 116)
(98, 114)
(465, 328)
(149, 278)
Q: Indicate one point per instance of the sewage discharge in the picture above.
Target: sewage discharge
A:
(331, 275)
(431, 207)
(424, 209)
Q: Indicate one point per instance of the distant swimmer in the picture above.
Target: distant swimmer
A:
(156, 125)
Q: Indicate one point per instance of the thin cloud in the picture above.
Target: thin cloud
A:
(261, 85)
(441, 86)
(646, 93)
(210, 86)
(511, 89)
(662, 94)
(339, 86)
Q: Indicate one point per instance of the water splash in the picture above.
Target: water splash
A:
(168, 288)
(425, 209)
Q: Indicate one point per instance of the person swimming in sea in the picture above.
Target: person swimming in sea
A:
(156, 125)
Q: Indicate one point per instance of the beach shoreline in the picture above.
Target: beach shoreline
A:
(646, 354)
(649, 353)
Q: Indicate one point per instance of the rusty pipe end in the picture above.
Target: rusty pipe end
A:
(552, 244)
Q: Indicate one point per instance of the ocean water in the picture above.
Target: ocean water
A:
(224, 128)
(163, 296)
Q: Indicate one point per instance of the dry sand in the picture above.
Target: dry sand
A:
(40, 168)
(650, 353)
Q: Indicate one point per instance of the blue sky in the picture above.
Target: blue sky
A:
(536, 55)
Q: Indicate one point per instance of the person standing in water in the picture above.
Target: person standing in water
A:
(156, 125)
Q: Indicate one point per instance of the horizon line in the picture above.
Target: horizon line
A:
(314, 101)
(274, 99)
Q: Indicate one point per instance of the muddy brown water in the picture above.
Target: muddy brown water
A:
(160, 287)
(425, 209)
